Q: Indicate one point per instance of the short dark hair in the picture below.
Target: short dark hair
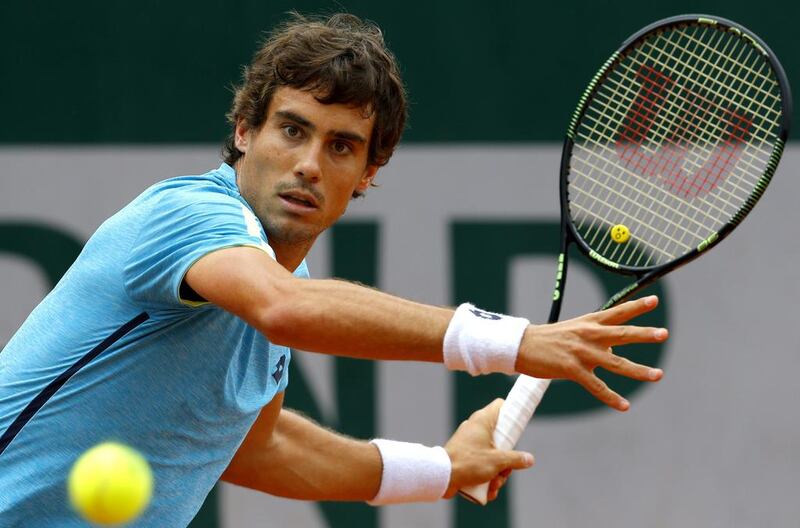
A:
(341, 58)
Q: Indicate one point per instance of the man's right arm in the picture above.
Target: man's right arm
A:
(345, 319)
(328, 316)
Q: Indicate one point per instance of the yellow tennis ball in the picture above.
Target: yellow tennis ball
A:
(110, 484)
(620, 233)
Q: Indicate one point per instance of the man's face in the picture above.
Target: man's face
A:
(300, 169)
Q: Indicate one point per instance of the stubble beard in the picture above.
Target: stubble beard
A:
(286, 231)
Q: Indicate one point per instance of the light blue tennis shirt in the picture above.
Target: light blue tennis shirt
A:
(115, 353)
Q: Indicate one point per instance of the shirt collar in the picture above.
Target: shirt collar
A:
(228, 172)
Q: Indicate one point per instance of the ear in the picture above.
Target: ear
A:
(241, 137)
(366, 178)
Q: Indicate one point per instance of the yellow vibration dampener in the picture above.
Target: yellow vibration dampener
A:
(620, 234)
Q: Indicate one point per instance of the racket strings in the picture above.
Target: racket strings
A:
(752, 158)
(673, 239)
(749, 156)
(689, 159)
(736, 198)
(741, 99)
(672, 144)
(735, 71)
(711, 207)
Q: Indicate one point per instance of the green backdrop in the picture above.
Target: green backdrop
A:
(156, 72)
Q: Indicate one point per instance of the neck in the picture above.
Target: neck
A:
(290, 255)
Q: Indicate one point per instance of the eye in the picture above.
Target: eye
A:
(341, 147)
(291, 131)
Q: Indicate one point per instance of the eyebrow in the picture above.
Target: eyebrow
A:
(352, 136)
(302, 121)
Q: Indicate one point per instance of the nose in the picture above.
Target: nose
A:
(308, 166)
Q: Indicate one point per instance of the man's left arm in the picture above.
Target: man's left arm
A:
(288, 455)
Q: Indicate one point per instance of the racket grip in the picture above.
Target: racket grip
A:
(516, 412)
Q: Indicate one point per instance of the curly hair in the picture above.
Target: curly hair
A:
(340, 58)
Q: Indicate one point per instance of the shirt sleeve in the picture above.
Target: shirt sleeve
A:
(181, 228)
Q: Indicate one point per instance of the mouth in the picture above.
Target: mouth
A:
(299, 199)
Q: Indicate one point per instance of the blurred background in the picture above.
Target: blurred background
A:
(98, 100)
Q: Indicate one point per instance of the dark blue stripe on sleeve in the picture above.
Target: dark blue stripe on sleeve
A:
(38, 402)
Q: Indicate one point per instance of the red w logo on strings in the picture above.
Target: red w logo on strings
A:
(687, 119)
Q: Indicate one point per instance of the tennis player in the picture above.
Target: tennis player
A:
(172, 330)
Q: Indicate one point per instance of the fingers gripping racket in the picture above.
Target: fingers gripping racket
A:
(672, 144)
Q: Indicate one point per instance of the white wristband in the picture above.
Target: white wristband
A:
(482, 342)
(411, 472)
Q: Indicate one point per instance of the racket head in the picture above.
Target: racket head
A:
(672, 144)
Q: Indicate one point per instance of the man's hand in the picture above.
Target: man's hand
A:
(474, 457)
(573, 349)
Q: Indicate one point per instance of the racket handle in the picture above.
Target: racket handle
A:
(514, 416)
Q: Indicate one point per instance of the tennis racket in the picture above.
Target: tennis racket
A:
(672, 144)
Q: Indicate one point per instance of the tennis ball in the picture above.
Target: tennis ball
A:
(110, 484)
(620, 233)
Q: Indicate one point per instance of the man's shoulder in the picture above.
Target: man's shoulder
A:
(214, 187)
(214, 182)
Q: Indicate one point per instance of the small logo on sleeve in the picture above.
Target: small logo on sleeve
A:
(279, 368)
